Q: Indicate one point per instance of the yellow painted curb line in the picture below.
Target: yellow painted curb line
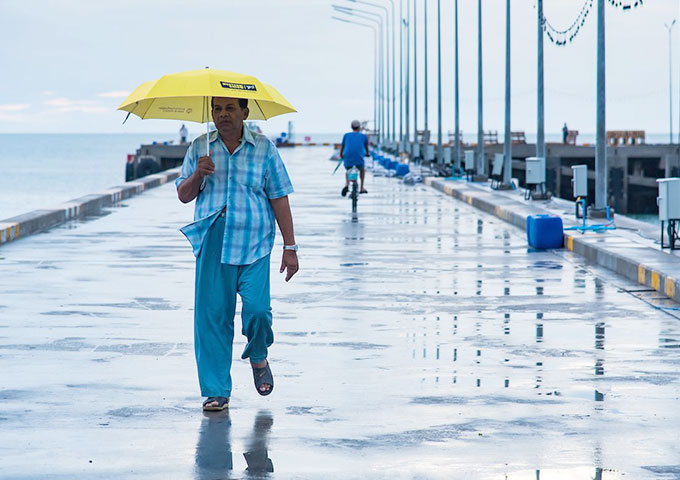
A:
(8, 231)
(656, 280)
(670, 288)
(642, 275)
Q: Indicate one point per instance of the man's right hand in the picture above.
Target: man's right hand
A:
(205, 167)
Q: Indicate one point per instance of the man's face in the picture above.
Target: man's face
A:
(228, 114)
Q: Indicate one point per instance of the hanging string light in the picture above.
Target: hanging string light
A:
(625, 5)
(562, 37)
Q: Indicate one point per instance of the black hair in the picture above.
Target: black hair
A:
(242, 102)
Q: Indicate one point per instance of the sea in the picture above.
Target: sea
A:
(43, 170)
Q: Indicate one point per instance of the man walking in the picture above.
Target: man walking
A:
(354, 145)
(241, 188)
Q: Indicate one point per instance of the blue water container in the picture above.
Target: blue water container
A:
(545, 231)
(402, 169)
(393, 165)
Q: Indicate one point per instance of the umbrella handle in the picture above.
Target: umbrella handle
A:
(207, 129)
(207, 142)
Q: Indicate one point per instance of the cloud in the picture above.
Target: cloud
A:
(47, 93)
(63, 104)
(17, 107)
(116, 94)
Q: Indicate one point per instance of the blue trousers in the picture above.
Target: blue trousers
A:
(216, 287)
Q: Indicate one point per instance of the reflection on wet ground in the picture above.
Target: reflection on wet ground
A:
(421, 339)
(214, 458)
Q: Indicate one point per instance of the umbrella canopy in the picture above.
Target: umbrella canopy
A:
(186, 96)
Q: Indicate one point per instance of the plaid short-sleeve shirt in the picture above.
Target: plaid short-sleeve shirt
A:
(243, 182)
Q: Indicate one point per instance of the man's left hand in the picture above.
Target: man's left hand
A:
(289, 262)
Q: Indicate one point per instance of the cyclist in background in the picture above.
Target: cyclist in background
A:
(354, 147)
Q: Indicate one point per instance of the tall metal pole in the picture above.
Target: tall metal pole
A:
(425, 67)
(507, 143)
(387, 76)
(401, 76)
(376, 102)
(540, 127)
(456, 148)
(440, 155)
(394, 84)
(480, 102)
(601, 149)
(415, 71)
(670, 80)
(382, 91)
(407, 111)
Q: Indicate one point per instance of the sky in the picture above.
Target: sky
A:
(67, 64)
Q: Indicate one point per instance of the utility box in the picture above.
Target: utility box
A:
(429, 153)
(535, 170)
(580, 180)
(668, 199)
(447, 155)
(469, 160)
(497, 166)
(416, 150)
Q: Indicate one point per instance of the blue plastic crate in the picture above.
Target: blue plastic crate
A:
(545, 231)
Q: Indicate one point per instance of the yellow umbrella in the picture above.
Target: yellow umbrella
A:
(278, 98)
(140, 92)
(186, 96)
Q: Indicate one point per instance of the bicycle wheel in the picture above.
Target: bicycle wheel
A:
(355, 196)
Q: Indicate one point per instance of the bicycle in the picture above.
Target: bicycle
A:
(353, 176)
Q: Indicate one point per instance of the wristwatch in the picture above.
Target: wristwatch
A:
(294, 248)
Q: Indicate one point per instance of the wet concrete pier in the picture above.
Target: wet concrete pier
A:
(423, 340)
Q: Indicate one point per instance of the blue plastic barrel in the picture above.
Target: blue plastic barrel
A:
(545, 231)
(402, 169)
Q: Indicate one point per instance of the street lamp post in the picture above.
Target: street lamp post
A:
(600, 115)
(670, 80)
(375, 64)
(394, 84)
(372, 17)
(456, 149)
(389, 122)
(480, 103)
(507, 142)
(415, 71)
(407, 112)
(540, 128)
(425, 71)
(440, 154)
(401, 76)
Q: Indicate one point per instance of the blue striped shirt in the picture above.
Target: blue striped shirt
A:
(243, 182)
